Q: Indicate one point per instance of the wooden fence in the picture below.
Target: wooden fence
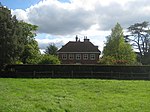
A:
(77, 71)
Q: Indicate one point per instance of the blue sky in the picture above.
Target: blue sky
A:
(22, 4)
(60, 21)
(19, 4)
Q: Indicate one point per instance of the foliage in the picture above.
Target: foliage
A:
(18, 62)
(49, 59)
(71, 95)
(28, 31)
(51, 49)
(10, 37)
(140, 38)
(117, 48)
(108, 60)
(17, 41)
(31, 53)
(146, 59)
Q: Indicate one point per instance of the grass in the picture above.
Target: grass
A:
(74, 95)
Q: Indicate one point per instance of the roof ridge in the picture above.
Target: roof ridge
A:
(79, 46)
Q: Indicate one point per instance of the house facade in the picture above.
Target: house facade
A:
(77, 52)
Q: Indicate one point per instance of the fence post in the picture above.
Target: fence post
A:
(34, 74)
(119, 76)
(52, 74)
(112, 76)
(72, 73)
(91, 74)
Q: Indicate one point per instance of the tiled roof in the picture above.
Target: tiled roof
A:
(77, 46)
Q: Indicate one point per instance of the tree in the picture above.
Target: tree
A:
(17, 41)
(140, 38)
(10, 42)
(31, 51)
(117, 48)
(49, 59)
(51, 49)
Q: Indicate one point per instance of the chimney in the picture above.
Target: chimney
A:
(76, 38)
(86, 39)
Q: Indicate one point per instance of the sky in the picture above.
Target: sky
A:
(60, 21)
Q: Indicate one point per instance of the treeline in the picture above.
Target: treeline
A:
(17, 42)
(120, 48)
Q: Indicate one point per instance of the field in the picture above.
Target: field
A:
(74, 95)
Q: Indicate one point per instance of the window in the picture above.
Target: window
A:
(78, 56)
(85, 56)
(92, 56)
(64, 56)
(71, 56)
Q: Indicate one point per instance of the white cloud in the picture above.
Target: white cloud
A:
(21, 14)
(58, 18)
(45, 39)
(93, 18)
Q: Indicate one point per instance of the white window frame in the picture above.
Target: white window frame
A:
(85, 57)
(78, 56)
(64, 56)
(71, 56)
(92, 56)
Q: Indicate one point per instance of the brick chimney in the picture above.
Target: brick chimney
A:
(86, 39)
(76, 38)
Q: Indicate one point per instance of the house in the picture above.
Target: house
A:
(77, 52)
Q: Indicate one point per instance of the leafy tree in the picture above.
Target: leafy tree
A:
(28, 31)
(10, 41)
(140, 38)
(31, 51)
(17, 41)
(117, 48)
(51, 49)
(49, 59)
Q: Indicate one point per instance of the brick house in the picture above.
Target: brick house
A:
(77, 52)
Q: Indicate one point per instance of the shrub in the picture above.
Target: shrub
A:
(49, 59)
(108, 60)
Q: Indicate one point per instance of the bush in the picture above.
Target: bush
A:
(108, 60)
(49, 59)
(18, 62)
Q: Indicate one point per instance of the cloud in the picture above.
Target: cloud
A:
(126, 14)
(46, 39)
(92, 18)
(56, 18)
(21, 14)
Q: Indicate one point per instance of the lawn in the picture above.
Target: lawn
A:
(74, 95)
